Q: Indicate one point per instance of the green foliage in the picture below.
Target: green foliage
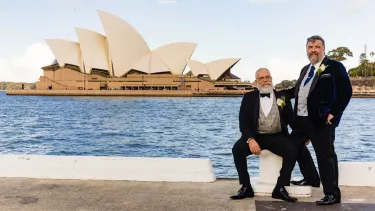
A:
(363, 70)
(365, 67)
(363, 59)
(339, 54)
(285, 84)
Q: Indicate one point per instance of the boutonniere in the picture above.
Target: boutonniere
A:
(281, 102)
(322, 68)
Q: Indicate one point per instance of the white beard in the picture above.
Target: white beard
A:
(262, 90)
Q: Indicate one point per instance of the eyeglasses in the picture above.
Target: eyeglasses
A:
(268, 77)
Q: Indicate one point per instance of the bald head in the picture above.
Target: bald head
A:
(261, 70)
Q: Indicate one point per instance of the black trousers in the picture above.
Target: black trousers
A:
(322, 138)
(277, 143)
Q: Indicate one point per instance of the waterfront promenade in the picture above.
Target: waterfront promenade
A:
(89, 195)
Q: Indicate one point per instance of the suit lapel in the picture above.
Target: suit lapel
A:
(256, 108)
(316, 77)
(277, 95)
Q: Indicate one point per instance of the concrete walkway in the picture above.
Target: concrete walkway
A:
(84, 195)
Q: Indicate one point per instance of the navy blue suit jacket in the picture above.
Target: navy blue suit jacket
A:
(330, 92)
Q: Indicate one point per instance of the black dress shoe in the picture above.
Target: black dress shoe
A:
(328, 200)
(303, 182)
(281, 193)
(244, 192)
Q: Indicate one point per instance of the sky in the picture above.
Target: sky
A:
(263, 33)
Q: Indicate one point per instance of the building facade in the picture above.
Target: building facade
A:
(122, 60)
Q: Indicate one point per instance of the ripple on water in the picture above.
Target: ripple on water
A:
(154, 127)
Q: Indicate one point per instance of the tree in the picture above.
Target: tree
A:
(372, 59)
(339, 54)
(362, 59)
(363, 63)
(285, 84)
(355, 72)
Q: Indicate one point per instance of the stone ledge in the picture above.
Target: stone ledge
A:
(107, 168)
(357, 173)
(265, 189)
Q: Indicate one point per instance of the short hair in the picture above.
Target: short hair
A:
(261, 69)
(315, 38)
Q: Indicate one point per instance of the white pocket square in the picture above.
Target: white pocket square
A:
(326, 75)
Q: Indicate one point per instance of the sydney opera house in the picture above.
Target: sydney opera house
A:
(122, 60)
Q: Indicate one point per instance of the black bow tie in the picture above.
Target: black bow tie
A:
(265, 95)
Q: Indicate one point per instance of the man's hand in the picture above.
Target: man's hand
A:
(307, 142)
(254, 147)
(330, 117)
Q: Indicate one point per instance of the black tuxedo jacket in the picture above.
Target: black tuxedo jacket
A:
(330, 92)
(249, 114)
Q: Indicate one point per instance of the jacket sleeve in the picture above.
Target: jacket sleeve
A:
(289, 113)
(245, 120)
(342, 90)
(289, 92)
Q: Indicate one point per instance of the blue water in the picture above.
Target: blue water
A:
(153, 127)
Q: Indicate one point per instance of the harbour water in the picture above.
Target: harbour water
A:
(203, 127)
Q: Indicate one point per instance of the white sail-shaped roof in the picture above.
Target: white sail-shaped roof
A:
(197, 68)
(143, 65)
(218, 67)
(94, 50)
(214, 69)
(174, 55)
(66, 52)
(151, 63)
(158, 65)
(126, 45)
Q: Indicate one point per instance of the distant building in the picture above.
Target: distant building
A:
(122, 60)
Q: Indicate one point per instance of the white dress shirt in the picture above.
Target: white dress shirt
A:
(317, 65)
(266, 104)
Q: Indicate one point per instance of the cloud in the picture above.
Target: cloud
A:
(351, 62)
(68, 3)
(280, 68)
(167, 1)
(353, 6)
(27, 66)
(266, 1)
(356, 3)
(245, 69)
(5, 74)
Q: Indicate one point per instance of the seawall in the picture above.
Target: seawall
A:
(172, 93)
(147, 93)
(145, 169)
(140, 93)
(107, 168)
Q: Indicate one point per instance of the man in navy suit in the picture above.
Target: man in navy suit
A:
(264, 117)
(321, 94)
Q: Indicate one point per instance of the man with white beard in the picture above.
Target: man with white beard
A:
(263, 119)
